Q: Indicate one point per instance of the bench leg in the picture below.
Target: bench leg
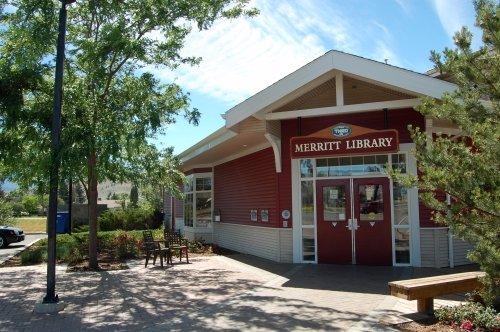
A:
(425, 306)
(147, 259)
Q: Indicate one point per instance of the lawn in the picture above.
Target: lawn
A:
(32, 224)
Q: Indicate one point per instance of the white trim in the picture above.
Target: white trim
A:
(247, 225)
(296, 220)
(339, 89)
(345, 109)
(276, 145)
(209, 142)
(242, 153)
(193, 177)
(413, 208)
(384, 74)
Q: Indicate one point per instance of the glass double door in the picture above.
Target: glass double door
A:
(354, 221)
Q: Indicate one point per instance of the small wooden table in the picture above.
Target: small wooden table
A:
(424, 290)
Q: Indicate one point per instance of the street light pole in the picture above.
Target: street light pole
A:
(51, 296)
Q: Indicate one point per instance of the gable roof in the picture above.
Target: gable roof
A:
(377, 72)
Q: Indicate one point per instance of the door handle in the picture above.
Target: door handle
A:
(352, 224)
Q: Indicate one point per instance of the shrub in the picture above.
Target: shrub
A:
(5, 212)
(471, 315)
(81, 229)
(33, 255)
(130, 218)
(125, 245)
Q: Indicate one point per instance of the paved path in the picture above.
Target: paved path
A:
(213, 293)
(14, 248)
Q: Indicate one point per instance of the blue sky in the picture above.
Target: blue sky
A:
(241, 57)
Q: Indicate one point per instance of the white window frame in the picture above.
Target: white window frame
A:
(193, 177)
(413, 216)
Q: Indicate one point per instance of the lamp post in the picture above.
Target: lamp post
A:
(51, 296)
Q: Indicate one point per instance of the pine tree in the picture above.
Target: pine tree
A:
(467, 167)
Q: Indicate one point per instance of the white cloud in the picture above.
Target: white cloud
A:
(453, 14)
(404, 4)
(243, 56)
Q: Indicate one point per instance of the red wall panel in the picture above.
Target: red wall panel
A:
(397, 119)
(244, 184)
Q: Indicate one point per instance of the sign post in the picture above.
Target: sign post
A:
(50, 302)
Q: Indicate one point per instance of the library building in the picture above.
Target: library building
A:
(299, 171)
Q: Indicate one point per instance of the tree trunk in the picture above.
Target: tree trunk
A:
(92, 197)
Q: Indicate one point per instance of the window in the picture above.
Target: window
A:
(188, 210)
(307, 216)
(198, 201)
(345, 166)
(401, 221)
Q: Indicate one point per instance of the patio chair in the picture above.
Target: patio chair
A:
(175, 242)
(152, 247)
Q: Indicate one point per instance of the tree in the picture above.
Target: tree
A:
(466, 167)
(5, 212)
(30, 204)
(113, 106)
(79, 194)
(134, 196)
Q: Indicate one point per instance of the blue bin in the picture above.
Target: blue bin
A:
(62, 223)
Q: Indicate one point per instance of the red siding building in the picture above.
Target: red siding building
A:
(299, 173)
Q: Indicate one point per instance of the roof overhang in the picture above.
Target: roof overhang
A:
(324, 67)
(230, 141)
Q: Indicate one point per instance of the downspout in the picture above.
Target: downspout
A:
(451, 256)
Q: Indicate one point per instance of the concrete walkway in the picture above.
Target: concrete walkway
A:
(231, 293)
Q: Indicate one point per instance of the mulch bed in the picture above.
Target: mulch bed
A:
(107, 261)
(14, 262)
(430, 324)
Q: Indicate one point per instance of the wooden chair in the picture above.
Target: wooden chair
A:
(152, 247)
(175, 242)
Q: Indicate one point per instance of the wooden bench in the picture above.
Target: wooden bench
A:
(424, 290)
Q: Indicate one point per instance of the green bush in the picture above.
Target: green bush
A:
(471, 314)
(33, 255)
(81, 229)
(5, 212)
(130, 218)
(73, 248)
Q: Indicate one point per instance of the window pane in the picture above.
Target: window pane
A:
(371, 202)
(399, 162)
(322, 167)
(400, 204)
(308, 247)
(188, 186)
(203, 209)
(199, 184)
(306, 168)
(334, 203)
(207, 183)
(357, 165)
(188, 210)
(307, 193)
(402, 245)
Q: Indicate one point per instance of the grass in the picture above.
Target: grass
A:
(32, 224)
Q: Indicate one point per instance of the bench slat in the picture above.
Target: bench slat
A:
(430, 287)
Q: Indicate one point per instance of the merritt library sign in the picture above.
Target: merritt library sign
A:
(344, 139)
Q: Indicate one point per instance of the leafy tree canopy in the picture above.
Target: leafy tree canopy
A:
(466, 167)
(113, 106)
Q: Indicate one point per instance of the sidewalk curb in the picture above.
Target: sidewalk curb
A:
(17, 253)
